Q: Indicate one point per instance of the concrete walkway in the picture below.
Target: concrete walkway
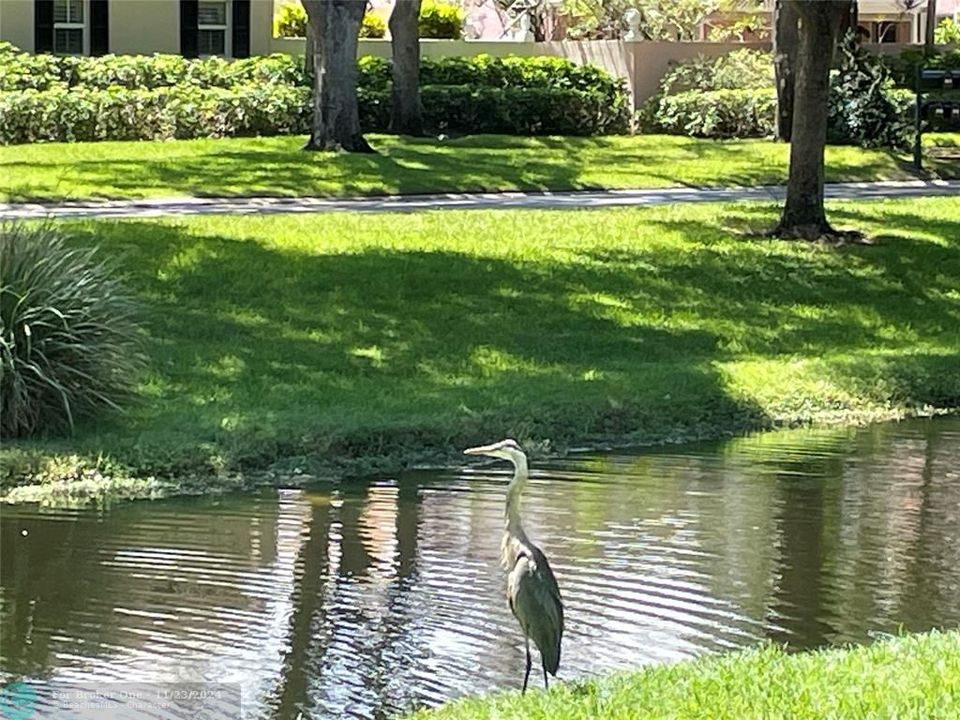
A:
(164, 207)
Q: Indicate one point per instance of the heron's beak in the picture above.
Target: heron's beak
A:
(481, 450)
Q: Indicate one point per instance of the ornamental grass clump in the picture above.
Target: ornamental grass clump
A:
(69, 338)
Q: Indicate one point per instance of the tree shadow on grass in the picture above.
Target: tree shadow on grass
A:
(408, 168)
(278, 167)
(780, 298)
(259, 352)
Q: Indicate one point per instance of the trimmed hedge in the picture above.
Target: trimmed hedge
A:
(147, 72)
(22, 71)
(498, 72)
(83, 114)
(518, 111)
(47, 98)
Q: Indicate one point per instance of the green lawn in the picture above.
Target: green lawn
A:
(907, 678)
(364, 341)
(277, 166)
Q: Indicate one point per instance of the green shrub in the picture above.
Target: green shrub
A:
(47, 72)
(373, 26)
(947, 32)
(24, 71)
(82, 114)
(517, 111)
(373, 73)
(727, 96)
(290, 21)
(485, 71)
(715, 113)
(738, 70)
(861, 109)
(167, 96)
(441, 20)
(69, 343)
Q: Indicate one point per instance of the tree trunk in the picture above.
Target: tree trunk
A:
(803, 214)
(785, 39)
(406, 114)
(930, 27)
(335, 28)
(310, 52)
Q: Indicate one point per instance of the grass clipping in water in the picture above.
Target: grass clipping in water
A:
(908, 677)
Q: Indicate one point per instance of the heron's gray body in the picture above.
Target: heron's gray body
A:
(534, 598)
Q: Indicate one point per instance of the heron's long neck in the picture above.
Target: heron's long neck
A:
(514, 528)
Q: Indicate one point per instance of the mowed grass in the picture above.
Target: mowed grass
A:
(363, 341)
(278, 167)
(906, 678)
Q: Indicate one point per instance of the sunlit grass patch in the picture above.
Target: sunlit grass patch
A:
(908, 678)
(365, 342)
(278, 166)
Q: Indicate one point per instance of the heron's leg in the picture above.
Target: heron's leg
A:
(526, 676)
(546, 685)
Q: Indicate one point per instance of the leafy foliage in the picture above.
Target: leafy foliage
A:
(167, 96)
(658, 19)
(860, 106)
(745, 27)
(167, 112)
(733, 96)
(68, 333)
(739, 70)
(373, 26)
(722, 113)
(947, 32)
(290, 20)
(24, 71)
(727, 96)
(518, 111)
(441, 20)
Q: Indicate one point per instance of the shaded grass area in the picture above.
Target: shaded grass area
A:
(910, 678)
(361, 343)
(278, 167)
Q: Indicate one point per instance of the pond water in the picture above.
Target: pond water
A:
(373, 598)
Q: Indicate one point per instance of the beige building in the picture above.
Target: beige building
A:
(878, 21)
(230, 28)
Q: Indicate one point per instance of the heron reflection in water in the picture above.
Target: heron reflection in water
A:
(531, 587)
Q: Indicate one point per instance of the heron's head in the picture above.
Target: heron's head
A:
(505, 450)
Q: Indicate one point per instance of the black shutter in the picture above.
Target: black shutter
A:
(189, 41)
(99, 27)
(241, 28)
(43, 26)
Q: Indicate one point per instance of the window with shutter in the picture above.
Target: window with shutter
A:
(69, 27)
(213, 22)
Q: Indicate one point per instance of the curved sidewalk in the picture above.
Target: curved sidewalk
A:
(578, 199)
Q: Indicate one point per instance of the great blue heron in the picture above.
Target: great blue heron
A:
(531, 587)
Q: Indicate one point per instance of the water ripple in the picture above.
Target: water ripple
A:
(368, 600)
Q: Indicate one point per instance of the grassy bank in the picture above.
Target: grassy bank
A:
(276, 166)
(363, 342)
(908, 678)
